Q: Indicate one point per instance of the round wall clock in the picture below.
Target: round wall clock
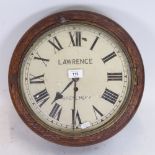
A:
(76, 78)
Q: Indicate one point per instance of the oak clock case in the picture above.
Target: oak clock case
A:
(76, 78)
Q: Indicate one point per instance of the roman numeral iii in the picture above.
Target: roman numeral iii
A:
(110, 96)
(41, 97)
(114, 76)
(75, 38)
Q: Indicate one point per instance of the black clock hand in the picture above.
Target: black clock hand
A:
(59, 94)
(74, 101)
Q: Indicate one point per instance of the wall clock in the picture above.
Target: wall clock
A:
(76, 78)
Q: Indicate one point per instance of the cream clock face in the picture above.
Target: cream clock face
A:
(75, 78)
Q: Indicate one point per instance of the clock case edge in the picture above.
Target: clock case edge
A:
(95, 19)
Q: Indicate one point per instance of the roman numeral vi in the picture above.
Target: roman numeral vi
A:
(76, 118)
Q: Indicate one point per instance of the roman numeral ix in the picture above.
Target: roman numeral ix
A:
(110, 96)
(37, 79)
(41, 97)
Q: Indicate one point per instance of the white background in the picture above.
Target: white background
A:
(137, 17)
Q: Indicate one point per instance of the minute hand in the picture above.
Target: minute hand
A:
(59, 94)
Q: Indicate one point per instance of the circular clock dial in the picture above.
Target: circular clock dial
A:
(75, 78)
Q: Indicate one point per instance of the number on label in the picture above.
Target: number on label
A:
(75, 73)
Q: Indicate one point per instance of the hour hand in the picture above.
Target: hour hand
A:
(57, 96)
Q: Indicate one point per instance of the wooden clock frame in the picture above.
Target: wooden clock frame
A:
(130, 49)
